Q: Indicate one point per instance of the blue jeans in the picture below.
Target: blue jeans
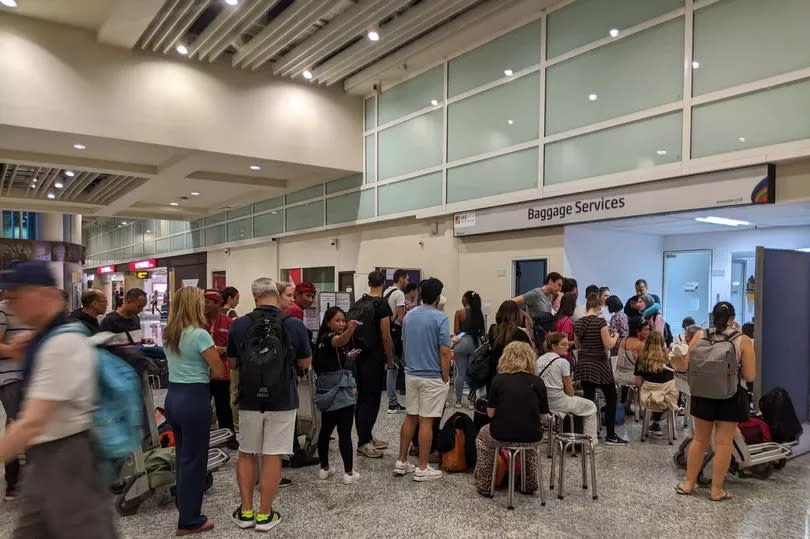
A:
(391, 385)
(462, 352)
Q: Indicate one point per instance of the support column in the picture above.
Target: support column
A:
(51, 227)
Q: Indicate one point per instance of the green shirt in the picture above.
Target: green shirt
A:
(189, 367)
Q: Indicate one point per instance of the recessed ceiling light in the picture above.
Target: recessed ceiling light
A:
(195, 194)
(69, 173)
(51, 196)
(434, 102)
(148, 231)
(58, 185)
(9, 3)
(373, 35)
(661, 152)
(614, 32)
(722, 221)
(307, 74)
(173, 204)
(35, 180)
(274, 213)
(255, 167)
(593, 97)
(695, 64)
(510, 122)
(33, 186)
(80, 146)
(508, 72)
(231, 2)
(182, 49)
(741, 139)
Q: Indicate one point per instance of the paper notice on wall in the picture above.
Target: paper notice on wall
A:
(190, 282)
(325, 300)
(311, 319)
(461, 220)
(343, 300)
(389, 274)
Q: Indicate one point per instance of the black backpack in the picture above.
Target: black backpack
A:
(543, 325)
(367, 336)
(478, 366)
(668, 339)
(266, 363)
(396, 329)
(780, 415)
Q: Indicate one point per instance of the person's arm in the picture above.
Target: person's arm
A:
(456, 322)
(211, 356)
(29, 424)
(400, 314)
(388, 346)
(608, 340)
(748, 359)
(520, 300)
(446, 357)
(339, 341)
(681, 364)
(568, 386)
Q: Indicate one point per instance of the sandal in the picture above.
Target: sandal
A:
(725, 496)
(680, 490)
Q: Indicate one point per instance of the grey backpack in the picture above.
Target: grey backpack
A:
(714, 370)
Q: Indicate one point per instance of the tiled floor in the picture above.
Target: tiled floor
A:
(635, 487)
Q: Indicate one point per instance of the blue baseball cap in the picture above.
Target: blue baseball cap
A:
(26, 273)
(652, 310)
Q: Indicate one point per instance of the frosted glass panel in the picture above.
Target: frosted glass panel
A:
(196, 239)
(350, 207)
(503, 116)
(268, 223)
(216, 234)
(516, 50)
(268, 204)
(767, 117)
(355, 180)
(178, 242)
(199, 223)
(176, 226)
(502, 174)
(305, 216)
(416, 193)
(371, 113)
(411, 145)
(240, 212)
(371, 162)
(218, 218)
(626, 147)
(305, 194)
(633, 74)
(412, 95)
(585, 21)
(738, 41)
(162, 246)
(240, 230)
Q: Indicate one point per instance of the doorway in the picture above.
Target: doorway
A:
(346, 283)
(687, 286)
(738, 289)
(527, 274)
(218, 280)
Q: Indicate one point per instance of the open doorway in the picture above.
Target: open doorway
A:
(687, 285)
(528, 273)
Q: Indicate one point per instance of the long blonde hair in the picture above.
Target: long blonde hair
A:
(517, 357)
(654, 355)
(186, 309)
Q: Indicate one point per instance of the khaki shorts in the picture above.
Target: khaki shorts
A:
(268, 433)
(425, 396)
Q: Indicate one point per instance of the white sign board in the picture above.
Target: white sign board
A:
(737, 187)
(190, 282)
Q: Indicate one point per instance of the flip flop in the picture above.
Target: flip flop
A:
(725, 496)
(681, 491)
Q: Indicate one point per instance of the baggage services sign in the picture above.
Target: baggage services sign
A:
(737, 187)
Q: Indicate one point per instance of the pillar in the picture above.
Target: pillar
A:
(51, 227)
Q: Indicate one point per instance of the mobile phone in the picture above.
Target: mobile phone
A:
(460, 335)
(358, 322)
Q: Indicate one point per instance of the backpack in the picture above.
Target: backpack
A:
(366, 336)
(714, 371)
(396, 329)
(543, 325)
(668, 339)
(478, 366)
(266, 365)
(457, 443)
(755, 431)
(780, 415)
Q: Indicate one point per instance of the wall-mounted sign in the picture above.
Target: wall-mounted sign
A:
(736, 187)
(141, 274)
(143, 264)
(105, 269)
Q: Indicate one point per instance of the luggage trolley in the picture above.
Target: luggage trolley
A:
(308, 419)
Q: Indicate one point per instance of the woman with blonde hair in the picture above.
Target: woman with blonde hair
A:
(286, 295)
(656, 379)
(191, 356)
(517, 397)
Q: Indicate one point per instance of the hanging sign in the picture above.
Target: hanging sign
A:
(143, 264)
(105, 269)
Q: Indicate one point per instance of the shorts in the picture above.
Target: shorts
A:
(425, 396)
(268, 433)
(734, 409)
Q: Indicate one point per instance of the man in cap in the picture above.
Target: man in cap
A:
(218, 326)
(304, 297)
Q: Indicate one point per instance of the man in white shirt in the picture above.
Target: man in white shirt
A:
(579, 312)
(395, 296)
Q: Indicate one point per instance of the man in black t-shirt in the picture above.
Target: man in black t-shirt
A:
(94, 304)
(125, 320)
(370, 370)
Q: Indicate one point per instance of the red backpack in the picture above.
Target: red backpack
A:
(755, 431)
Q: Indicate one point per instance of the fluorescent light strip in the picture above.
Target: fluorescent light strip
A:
(722, 221)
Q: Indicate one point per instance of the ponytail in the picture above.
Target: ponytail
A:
(722, 314)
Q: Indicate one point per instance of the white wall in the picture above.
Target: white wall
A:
(594, 255)
(58, 78)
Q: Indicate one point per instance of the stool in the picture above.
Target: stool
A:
(561, 442)
(636, 396)
(670, 415)
(556, 423)
(513, 453)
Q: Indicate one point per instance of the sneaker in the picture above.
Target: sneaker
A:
(458, 405)
(265, 523)
(427, 474)
(368, 450)
(615, 440)
(243, 519)
(397, 408)
(379, 444)
(655, 429)
(326, 474)
(348, 479)
(11, 494)
(284, 482)
(471, 405)
(403, 468)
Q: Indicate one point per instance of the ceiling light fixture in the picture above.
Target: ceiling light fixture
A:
(722, 221)
(124, 223)
(182, 49)
(33, 186)
(434, 102)
(148, 231)
(69, 173)
(255, 167)
(661, 152)
(51, 196)
(593, 97)
(231, 2)
(741, 139)
(9, 3)
(373, 35)
(508, 72)
(173, 204)
(695, 64)
(307, 74)
(58, 185)
(195, 194)
(510, 122)
(80, 146)
(614, 32)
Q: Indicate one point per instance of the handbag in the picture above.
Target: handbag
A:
(335, 390)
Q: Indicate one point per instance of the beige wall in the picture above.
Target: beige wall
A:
(58, 78)
(793, 181)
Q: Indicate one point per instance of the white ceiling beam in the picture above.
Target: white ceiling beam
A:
(119, 189)
(355, 20)
(63, 161)
(36, 173)
(158, 22)
(106, 186)
(174, 20)
(412, 23)
(11, 179)
(210, 32)
(127, 21)
(43, 189)
(185, 23)
(241, 23)
(238, 179)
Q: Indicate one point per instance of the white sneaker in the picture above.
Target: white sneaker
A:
(427, 474)
(403, 468)
(326, 474)
(458, 404)
(349, 479)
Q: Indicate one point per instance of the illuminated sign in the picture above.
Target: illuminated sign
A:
(105, 269)
(141, 274)
(143, 264)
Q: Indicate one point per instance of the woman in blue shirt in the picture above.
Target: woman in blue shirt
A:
(190, 353)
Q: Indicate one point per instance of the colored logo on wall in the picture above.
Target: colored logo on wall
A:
(760, 193)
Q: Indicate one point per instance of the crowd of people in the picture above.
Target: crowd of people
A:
(547, 351)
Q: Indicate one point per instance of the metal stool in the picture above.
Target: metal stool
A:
(513, 452)
(561, 442)
(635, 394)
(556, 423)
(670, 415)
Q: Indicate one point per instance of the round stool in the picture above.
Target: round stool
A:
(513, 453)
(563, 441)
(556, 423)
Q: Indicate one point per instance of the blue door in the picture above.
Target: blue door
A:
(527, 274)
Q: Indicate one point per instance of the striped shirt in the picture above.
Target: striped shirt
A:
(10, 371)
(592, 363)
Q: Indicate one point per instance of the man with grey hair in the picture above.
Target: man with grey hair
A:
(94, 304)
(265, 347)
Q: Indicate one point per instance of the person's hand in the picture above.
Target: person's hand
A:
(445, 379)
(149, 341)
(351, 326)
(390, 364)
(220, 350)
(18, 345)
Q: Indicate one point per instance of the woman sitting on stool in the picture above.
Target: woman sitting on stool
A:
(555, 371)
(517, 397)
(656, 380)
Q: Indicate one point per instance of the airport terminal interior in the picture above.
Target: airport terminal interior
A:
(159, 145)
